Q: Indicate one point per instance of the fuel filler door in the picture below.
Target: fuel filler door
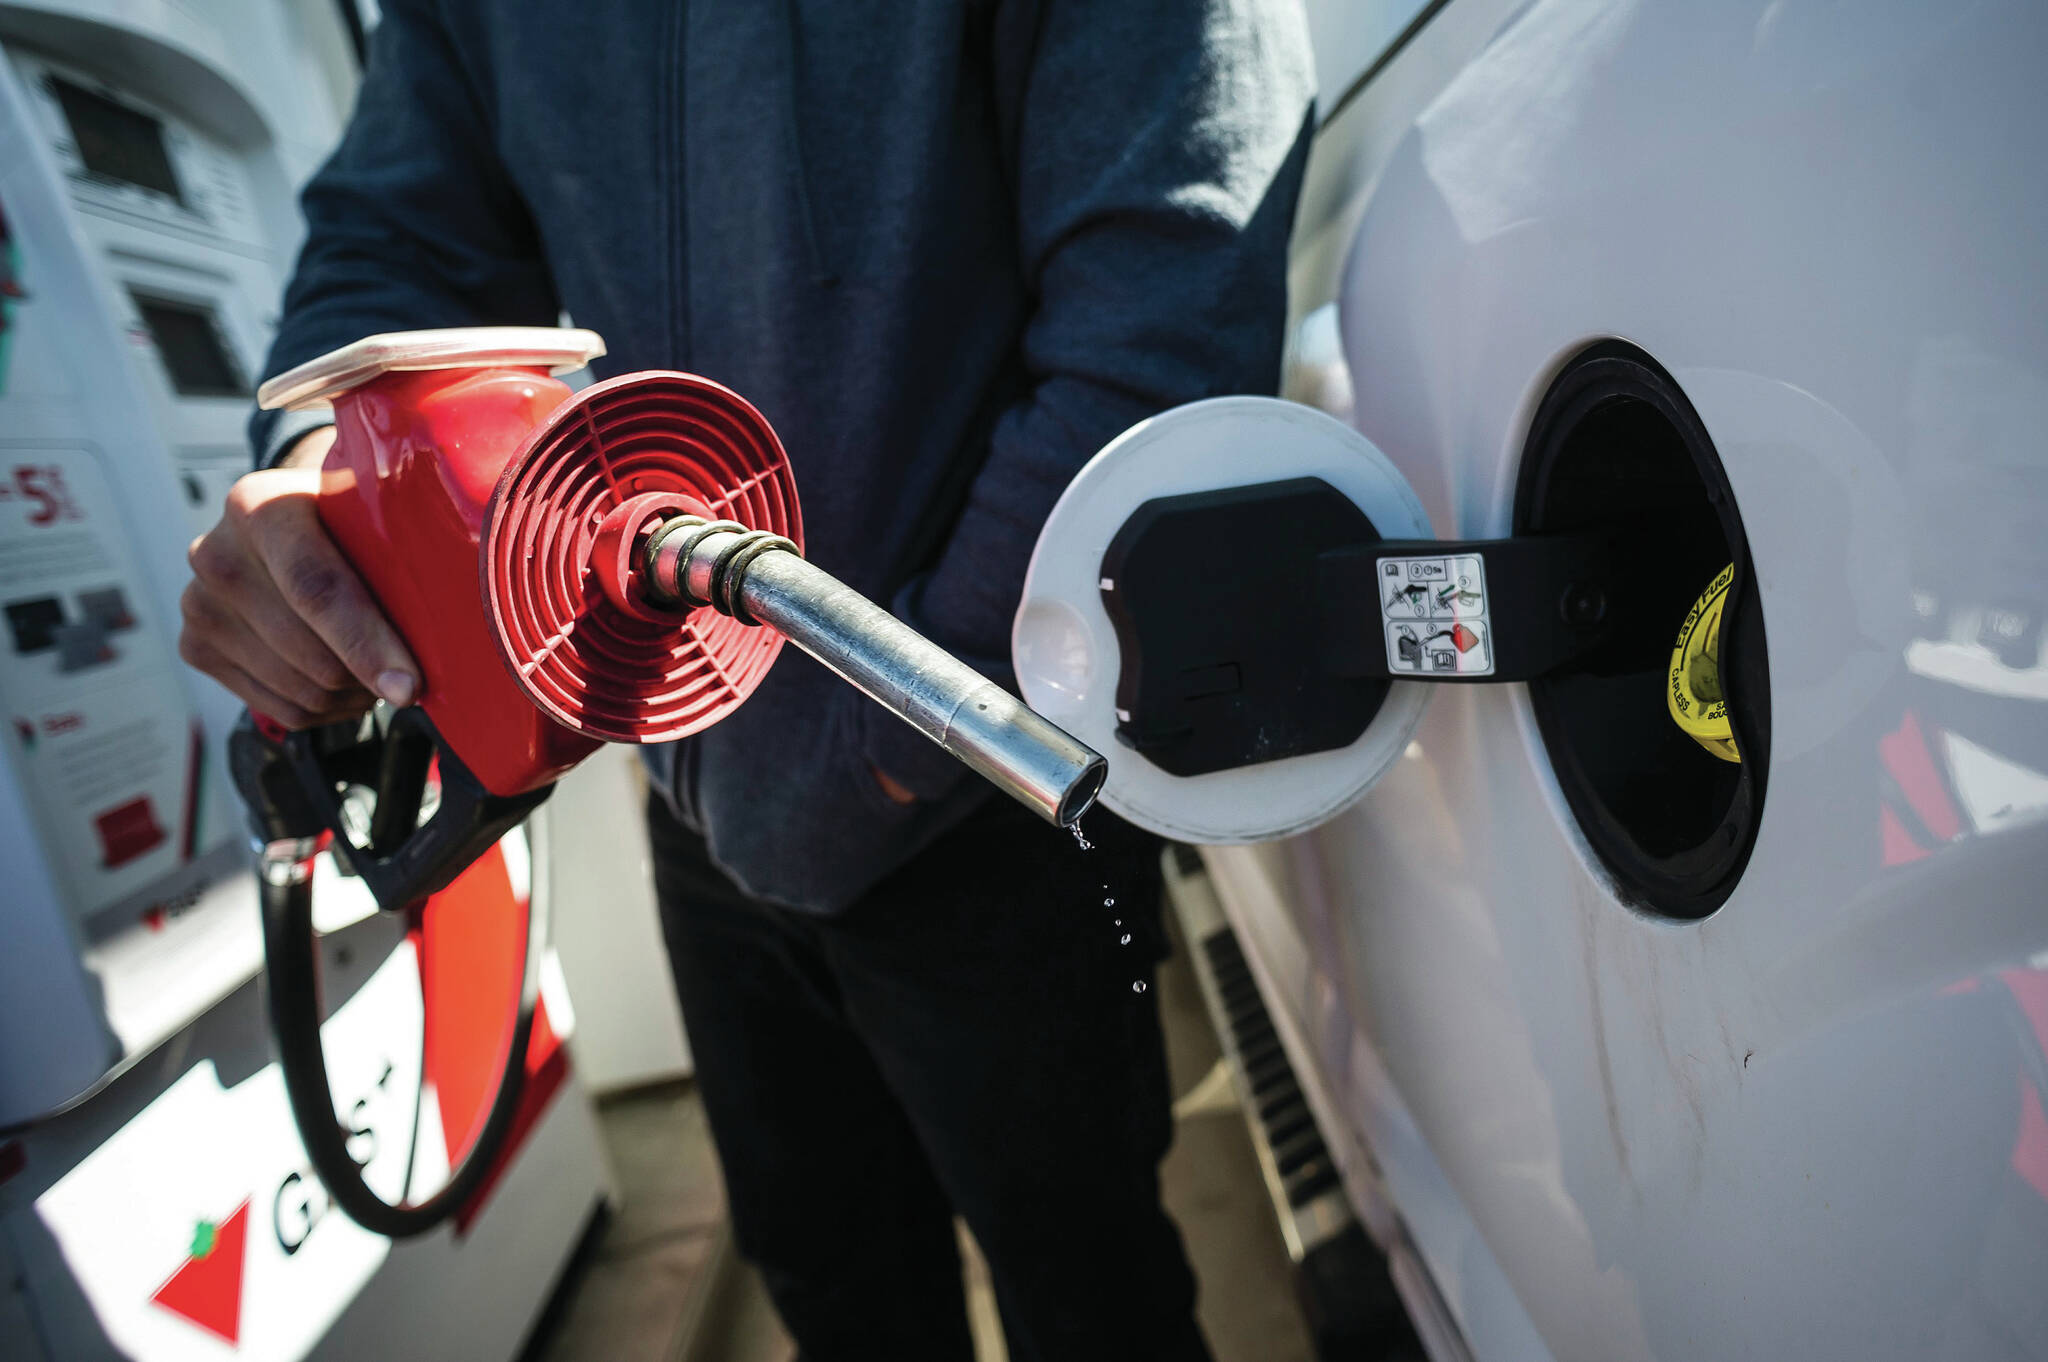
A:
(1241, 600)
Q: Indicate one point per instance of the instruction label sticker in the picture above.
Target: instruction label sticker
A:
(1434, 612)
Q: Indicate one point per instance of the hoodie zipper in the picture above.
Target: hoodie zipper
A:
(823, 274)
(677, 148)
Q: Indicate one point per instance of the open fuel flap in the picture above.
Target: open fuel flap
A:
(1154, 624)
(1242, 601)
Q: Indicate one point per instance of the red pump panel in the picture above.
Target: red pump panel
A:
(404, 493)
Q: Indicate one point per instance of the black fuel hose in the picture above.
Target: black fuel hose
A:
(292, 985)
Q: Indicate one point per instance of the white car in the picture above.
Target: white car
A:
(1620, 1049)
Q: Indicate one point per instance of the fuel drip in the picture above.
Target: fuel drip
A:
(1695, 696)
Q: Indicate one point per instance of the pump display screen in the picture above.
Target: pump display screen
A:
(188, 338)
(117, 142)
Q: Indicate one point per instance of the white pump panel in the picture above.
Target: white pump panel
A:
(1065, 647)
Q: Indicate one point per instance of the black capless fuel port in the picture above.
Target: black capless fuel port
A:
(1616, 447)
(1214, 599)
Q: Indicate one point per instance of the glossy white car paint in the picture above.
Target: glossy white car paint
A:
(1812, 1124)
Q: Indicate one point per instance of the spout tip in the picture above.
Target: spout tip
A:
(1080, 796)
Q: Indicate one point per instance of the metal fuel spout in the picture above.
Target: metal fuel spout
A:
(760, 578)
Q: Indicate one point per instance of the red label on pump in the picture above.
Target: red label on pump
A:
(208, 1289)
(468, 943)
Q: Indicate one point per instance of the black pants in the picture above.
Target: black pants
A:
(966, 1038)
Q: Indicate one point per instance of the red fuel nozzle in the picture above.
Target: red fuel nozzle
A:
(450, 441)
(512, 530)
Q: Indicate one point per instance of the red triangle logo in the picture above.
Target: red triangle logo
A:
(208, 1289)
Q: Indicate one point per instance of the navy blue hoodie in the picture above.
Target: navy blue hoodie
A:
(949, 247)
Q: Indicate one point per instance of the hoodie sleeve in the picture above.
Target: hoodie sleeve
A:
(413, 222)
(1158, 148)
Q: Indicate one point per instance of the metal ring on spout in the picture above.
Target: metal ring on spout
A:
(668, 554)
(729, 571)
(670, 547)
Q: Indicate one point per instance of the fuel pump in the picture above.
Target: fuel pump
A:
(621, 564)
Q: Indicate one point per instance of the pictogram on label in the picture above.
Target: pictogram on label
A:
(1434, 612)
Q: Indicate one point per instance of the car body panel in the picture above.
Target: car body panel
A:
(1812, 1123)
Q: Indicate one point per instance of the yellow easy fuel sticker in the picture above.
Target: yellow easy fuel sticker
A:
(1694, 694)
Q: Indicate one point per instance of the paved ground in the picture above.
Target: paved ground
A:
(661, 1284)
(638, 1289)
(1212, 1186)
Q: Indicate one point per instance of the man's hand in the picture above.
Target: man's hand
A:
(274, 612)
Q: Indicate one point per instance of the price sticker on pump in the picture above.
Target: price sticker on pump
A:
(1433, 611)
